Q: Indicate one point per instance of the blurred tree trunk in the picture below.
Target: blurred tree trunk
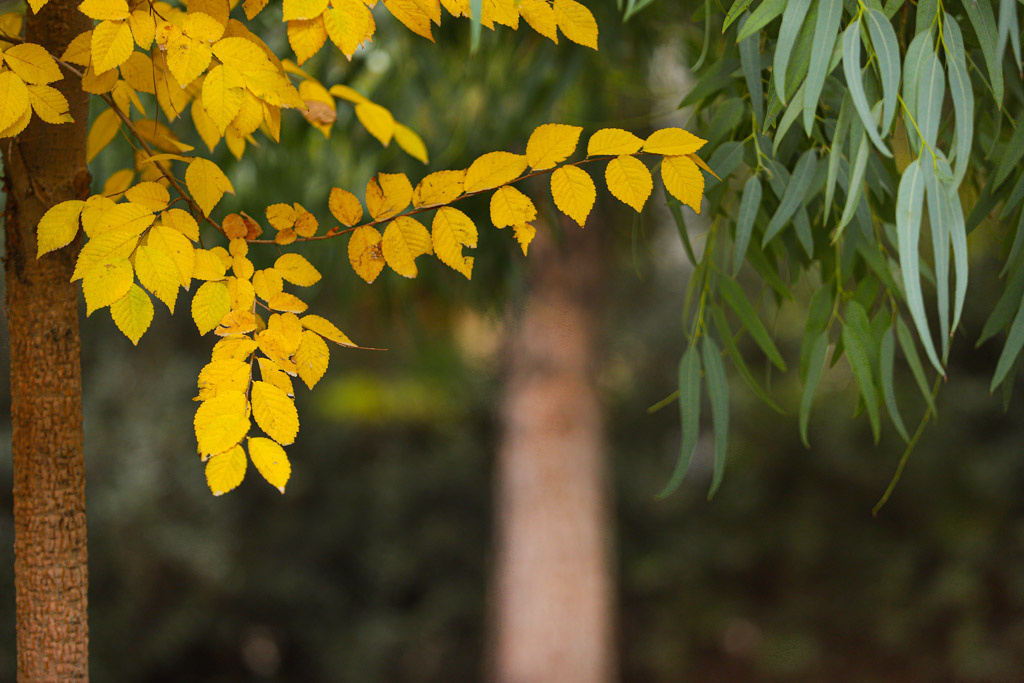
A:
(45, 165)
(553, 589)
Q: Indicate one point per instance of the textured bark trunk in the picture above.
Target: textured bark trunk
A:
(553, 591)
(46, 165)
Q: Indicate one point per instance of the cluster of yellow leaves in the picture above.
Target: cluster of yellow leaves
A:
(404, 239)
(26, 69)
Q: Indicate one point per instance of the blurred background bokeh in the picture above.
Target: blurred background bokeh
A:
(377, 565)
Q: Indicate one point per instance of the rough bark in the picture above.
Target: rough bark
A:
(44, 166)
(553, 592)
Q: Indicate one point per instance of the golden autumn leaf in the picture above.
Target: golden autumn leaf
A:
(225, 471)
(410, 142)
(242, 293)
(106, 283)
(209, 305)
(153, 196)
(270, 372)
(673, 141)
(297, 270)
(306, 37)
(326, 329)
(117, 183)
(345, 206)
(271, 461)
(236, 323)
(13, 98)
(576, 22)
(551, 144)
(509, 206)
(312, 358)
(683, 180)
(377, 120)
(629, 181)
(412, 15)
(283, 301)
(613, 141)
(32, 63)
(104, 9)
(104, 250)
(438, 188)
(493, 169)
(348, 24)
(238, 348)
(177, 246)
(207, 183)
(132, 313)
(573, 191)
(267, 283)
(158, 273)
(404, 239)
(541, 17)
(387, 194)
(302, 9)
(274, 412)
(223, 93)
(58, 226)
(524, 235)
(222, 374)
(450, 231)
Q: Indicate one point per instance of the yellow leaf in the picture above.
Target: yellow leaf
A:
(673, 141)
(524, 235)
(96, 83)
(36, 5)
(364, 253)
(101, 132)
(221, 422)
(576, 22)
(104, 9)
(280, 216)
(275, 346)
(242, 293)
(348, 94)
(209, 305)
(153, 196)
(509, 206)
(502, 12)
(158, 273)
(207, 266)
(143, 28)
(274, 412)
(242, 267)
(18, 126)
(270, 372)
(345, 206)
(77, 51)
(13, 98)
(348, 24)
(112, 43)
(105, 284)
(306, 37)
(457, 8)
(377, 120)
(450, 231)
(187, 57)
(217, 10)
(297, 270)
(138, 73)
(225, 471)
(283, 301)
(223, 94)
(133, 313)
(541, 18)
(207, 183)
(412, 15)
(629, 181)
(250, 116)
(223, 374)
(289, 326)
(493, 170)
(243, 54)
(440, 187)
(302, 9)
(387, 194)
(312, 358)
(236, 323)
(104, 250)
(270, 461)
(409, 141)
(117, 183)
(183, 222)
(205, 125)
(176, 246)
(326, 329)
(404, 239)
(58, 226)
(574, 192)
(32, 63)
(683, 180)
(126, 217)
(267, 283)
(613, 141)
(253, 7)
(239, 348)
(551, 144)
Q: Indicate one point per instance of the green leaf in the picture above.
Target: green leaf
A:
(765, 12)
(892, 6)
(826, 30)
(1014, 343)
(737, 301)
(476, 13)
(927, 10)
(792, 21)
(851, 67)
(789, 116)
(684, 234)
(856, 339)
(962, 94)
(1018, 241)
(1008, 29)
(750, 60)
(958, 236)
(722, 325)
(858, 163)
(689, 413)
(749, 205)
(815, 366)
(1013, 151)
(718, 393)
(980, 14)
(737, 9)
(793, 197)
(919, 50)
(940, 220)
(1008, 302)
(931, 89)
(836, 151)
(909, 201)
(1016, 194)
(887, 51)
(888, 370)
(914, 362)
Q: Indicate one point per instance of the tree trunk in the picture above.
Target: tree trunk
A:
(45, 165)
(553, 599)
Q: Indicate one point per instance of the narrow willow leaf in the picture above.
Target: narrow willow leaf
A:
(815, 366)
(737, 301)
(1014, 343)
(749, 205)
(908, 225)
(718, 393)
(722, 325)
(918, 51)
(1012, 154)
(689, 413)
(750, 60)
(826, 30)
(851, 67)
(1008, 302)
(1009, 30)
(926, 13)
(984, 22)
(887, 51)
(793, 197)
(931, 90)
(888, 370)
(684, 234)
(891, 7)
(1018, 241)
(734, 13)
(958, 237)
(802, 227)
(715, 79)
(914, 362)
(940, 221)
(796, 105)
(858, 163)
(1016, 195)
(836, 150)
(476, 13)
(765, 12)
(962, 94)
(856, 340)
(819, 312)
(792, 21)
